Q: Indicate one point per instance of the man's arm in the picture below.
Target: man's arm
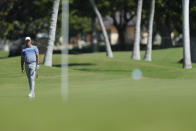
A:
(22, 63)
(37, 58)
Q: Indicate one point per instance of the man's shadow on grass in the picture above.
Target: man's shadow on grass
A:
(75, 64)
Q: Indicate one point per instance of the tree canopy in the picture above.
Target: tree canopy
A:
(20, 18)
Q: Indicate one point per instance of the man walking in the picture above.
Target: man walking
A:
(30, 56)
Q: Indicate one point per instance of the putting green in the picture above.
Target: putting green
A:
(102, 95)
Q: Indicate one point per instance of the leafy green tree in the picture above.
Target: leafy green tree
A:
(6, 6)
(122, 12)
(193, 17)
(168, 17)
(82, 17)
(79, 24)
(21, 18)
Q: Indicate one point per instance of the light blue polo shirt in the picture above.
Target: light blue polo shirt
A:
(29, 54)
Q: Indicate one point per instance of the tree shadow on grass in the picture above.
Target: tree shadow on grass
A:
(102, 70)
(75, 64)
(4, 57)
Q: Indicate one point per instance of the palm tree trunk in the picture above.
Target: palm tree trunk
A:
(186, 35)
(107, 42)
(52, 32)
(136, 46)
(148, 54)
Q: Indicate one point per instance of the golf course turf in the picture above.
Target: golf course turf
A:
(102, 94)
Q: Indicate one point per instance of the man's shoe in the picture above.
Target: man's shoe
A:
(31, 95)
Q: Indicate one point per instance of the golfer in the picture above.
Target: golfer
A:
(30, 56)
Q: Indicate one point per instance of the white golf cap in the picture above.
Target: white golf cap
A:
(27, 38)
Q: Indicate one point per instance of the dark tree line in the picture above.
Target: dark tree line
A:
(21, 17)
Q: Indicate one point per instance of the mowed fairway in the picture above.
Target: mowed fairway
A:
(102, 95)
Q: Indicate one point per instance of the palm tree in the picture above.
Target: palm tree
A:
(148, 54)
(107, 42)
(136, 46)
(186, 35)
(52, 32)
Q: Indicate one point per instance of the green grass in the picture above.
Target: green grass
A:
(102, 95)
